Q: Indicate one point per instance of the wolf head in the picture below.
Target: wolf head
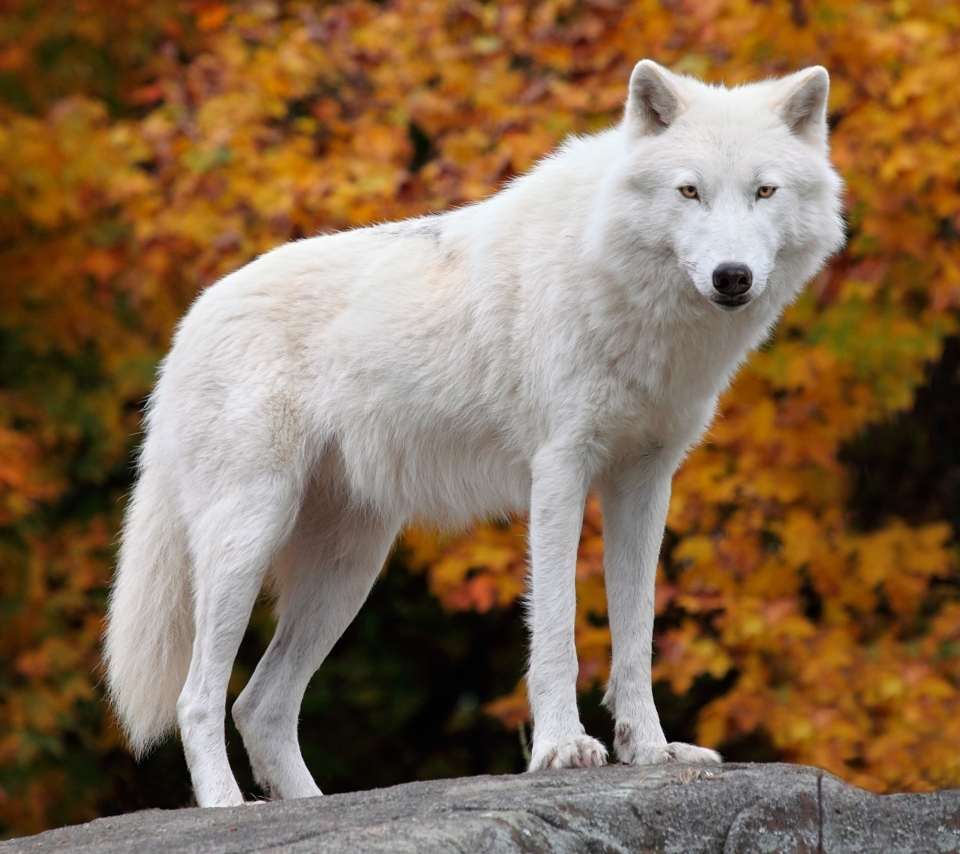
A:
(731, 188)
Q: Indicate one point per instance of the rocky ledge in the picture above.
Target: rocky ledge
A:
(681, 809)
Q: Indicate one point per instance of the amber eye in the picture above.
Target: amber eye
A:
(689, 191)
(766, 191)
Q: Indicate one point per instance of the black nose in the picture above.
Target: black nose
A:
(732, 279)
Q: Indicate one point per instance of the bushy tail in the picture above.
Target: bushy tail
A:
(150, 621)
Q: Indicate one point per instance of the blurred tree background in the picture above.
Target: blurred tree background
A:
(809, 599)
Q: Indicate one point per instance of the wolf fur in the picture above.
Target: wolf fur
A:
(572, 332)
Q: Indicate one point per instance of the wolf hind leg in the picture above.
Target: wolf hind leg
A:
(325, 574)
(233, 540)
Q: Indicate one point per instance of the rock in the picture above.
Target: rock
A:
(728, 809)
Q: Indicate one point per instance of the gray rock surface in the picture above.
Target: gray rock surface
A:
(730, 809)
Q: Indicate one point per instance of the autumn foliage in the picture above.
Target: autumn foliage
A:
(148, 148)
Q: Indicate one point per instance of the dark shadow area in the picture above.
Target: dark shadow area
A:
(909, 465)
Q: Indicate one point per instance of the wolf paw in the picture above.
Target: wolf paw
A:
(580, 751)
(633, 752)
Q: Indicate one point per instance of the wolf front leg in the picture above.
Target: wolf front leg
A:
(634, 500)
(556, 517)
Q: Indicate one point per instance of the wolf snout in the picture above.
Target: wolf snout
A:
(732, 280)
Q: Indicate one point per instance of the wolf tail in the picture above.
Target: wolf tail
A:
(150, 624)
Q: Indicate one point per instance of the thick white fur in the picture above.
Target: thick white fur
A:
(558, 337)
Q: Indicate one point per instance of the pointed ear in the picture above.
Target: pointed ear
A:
(654, 101)
(803, 106)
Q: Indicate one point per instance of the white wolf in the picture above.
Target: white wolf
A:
(572, 332)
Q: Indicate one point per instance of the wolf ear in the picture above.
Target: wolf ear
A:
(803, 106)
(654, 102)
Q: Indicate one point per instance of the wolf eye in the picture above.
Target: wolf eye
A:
(688, 191)
(766, 191)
